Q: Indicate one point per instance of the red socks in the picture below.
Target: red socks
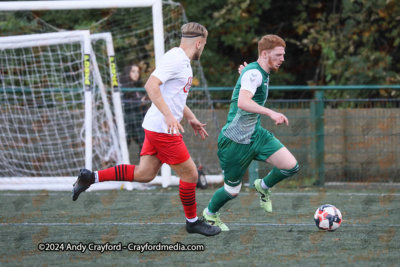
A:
(121, 172)
(124, 173)
(187, 192)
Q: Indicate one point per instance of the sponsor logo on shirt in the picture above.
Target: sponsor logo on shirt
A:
(253, 78)
(188, 85)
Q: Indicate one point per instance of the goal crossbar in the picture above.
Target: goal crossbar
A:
(43, 36)
(67, 5)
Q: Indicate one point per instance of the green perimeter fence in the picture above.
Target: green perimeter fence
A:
(334, 140)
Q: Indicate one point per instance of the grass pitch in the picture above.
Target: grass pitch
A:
(368, 236)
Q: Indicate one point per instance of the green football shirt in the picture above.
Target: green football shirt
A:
(241, 126)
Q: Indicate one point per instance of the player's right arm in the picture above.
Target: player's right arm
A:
(152, 87)
(250, 81)
(246, 103)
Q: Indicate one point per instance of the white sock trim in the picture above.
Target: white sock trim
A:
(96, 177)
(209, 212)
(263, 185)
(192, 220)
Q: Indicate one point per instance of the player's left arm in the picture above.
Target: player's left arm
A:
(197, 126)
(241, 67)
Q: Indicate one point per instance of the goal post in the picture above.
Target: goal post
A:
(116, 93)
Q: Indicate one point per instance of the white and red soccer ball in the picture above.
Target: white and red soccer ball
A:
(328, 217)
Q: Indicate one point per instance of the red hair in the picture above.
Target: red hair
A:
(270, 41)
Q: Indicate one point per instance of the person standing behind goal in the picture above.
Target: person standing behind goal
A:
(168, 88)
(243, 140)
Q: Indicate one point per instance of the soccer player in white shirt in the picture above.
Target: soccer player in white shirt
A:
(168, 88)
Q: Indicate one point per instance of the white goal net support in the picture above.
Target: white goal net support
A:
(142, 30)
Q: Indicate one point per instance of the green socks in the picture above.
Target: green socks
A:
(277, 175)
(219, 199)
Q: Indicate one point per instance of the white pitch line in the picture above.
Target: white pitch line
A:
(135, 224)
(210, 194)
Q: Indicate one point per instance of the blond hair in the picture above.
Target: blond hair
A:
(193, 29)
(270, 41)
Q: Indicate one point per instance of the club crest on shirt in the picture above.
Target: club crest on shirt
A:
(188, 85)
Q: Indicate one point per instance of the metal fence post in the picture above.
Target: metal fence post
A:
(318, 142)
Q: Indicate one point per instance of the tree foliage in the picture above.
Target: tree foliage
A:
(336, 42)
(357, 42)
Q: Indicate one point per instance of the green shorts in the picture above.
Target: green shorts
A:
(235, 158)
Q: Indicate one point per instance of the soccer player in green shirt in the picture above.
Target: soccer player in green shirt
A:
(243, 139)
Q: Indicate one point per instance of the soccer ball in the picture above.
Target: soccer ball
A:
(328, 217)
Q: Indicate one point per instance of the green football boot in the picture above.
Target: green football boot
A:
(214, 220)
(265, 198)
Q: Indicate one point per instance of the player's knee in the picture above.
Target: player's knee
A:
(296, 167)
(189, 176)
(292, 170)
(196, 176)
(144, 175)
(233, 190)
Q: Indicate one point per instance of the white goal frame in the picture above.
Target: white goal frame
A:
(54, 38)
(45, 39)
(73, 36)
(23, 41)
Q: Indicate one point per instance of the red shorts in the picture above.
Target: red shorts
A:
(167, 148)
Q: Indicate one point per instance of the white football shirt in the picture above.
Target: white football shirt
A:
(251, 79)
(175, 73)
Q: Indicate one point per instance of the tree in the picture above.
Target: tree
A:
(328, 42)
(356, 42)
(339, 42)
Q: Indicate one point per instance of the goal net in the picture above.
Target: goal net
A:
(55, 118)
(135, 28)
